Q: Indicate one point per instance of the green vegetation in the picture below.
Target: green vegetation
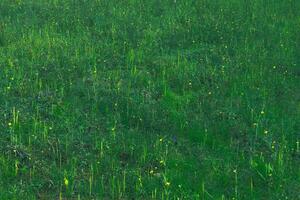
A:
(157, 99)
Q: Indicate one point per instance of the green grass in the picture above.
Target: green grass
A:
(157, 99)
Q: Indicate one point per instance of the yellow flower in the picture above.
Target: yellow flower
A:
(262, 112)
(9, 123)
(167, 183)
(160, 139)
(66, 181)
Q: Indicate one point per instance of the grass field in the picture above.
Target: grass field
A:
(157, 99)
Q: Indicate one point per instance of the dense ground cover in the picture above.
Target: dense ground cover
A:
(157, 99)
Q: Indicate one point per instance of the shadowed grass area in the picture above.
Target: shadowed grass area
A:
(149, 99)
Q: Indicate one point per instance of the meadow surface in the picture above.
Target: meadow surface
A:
(157, 99)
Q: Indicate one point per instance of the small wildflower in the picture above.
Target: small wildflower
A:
(66, 182)
(209, 93)
(9, 124)
(273, 145)
(266, 132)
(151, 171)
(167, 183)
(262, 112)
(160, 139)
(235, 171)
